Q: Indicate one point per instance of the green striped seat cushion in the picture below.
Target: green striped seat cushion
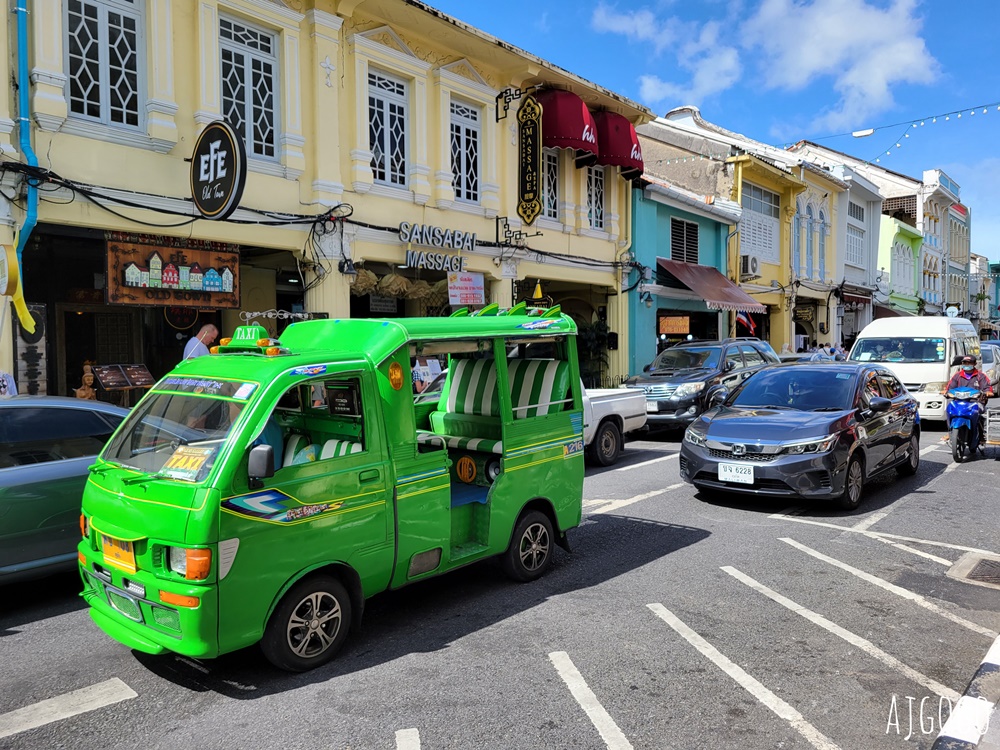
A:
(537, 383)
(338, 448)
(471, 388)
(483, 445)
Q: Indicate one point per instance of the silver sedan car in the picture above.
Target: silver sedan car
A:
(46, 445)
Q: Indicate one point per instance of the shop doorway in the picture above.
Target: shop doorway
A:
(96, 334)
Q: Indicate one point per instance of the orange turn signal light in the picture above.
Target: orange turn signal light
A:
(272, 351)
(214, 350)
(178, 599)
(199, 563)
(83, 526)
(225, 342)
(82, 558)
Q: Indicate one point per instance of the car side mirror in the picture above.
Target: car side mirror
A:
(647, 368)
(879, 404)
(730, 365)
(718, 398)
(260, 465)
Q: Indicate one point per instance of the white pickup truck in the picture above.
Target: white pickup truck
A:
(608, 415)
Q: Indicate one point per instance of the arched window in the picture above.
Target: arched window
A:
(809, 241)
(822, 246)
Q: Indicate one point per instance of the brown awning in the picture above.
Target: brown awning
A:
(719, 292)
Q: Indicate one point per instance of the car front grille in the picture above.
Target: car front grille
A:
(124, 604)
(730, 456)
(914, 387)
(658, 391)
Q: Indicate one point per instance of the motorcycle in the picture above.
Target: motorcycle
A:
(964, 413)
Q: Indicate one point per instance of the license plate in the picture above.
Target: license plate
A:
(652, 406)
(739, 473)
(118, 552)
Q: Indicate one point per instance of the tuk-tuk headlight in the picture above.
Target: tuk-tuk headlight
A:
(193, 564)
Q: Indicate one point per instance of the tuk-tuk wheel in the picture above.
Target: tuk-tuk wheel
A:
(309, 625)
(530, 552)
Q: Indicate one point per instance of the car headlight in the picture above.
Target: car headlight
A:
(193, 564)
(815, 445)
(934, 387)
(690, 436)
(689, 389)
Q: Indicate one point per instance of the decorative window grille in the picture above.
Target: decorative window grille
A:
(595, 197)
(387, 115)
(249, 78)
(856, 211)
(683, 241)
(797, 241)
(465, 140)
(104, 46)
(550, 183)
(759, 228)
(822, 246)
(809, 242)
(855, 246)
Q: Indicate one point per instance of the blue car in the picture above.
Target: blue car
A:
(817, 430)
(46, 445)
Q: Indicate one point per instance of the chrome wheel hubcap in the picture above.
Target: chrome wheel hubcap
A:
(314, 624)
(534, 547)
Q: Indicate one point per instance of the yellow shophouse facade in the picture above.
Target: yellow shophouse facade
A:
(381, 149)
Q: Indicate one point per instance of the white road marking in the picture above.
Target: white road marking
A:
(892, 588)
(64, 706)
(913, 550)
(875, 534)
(783, 710)
(610, 505)
(865, 645)
(601, 719)
(647, 463)
(928, 449)
(873, 519)
(407, 739)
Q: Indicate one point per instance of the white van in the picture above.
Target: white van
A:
(921, 351)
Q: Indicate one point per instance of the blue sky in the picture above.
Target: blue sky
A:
(781, 70)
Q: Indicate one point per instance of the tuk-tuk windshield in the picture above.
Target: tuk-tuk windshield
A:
(174, 435)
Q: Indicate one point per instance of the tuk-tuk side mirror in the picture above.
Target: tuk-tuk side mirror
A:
(261, 465)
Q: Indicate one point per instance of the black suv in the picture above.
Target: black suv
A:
(682, 380)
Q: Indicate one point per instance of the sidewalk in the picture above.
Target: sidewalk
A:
(992, 739)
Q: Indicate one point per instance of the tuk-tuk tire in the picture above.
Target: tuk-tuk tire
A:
(276, 643)
(534, 529)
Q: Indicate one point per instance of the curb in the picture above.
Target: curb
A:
(969, 720)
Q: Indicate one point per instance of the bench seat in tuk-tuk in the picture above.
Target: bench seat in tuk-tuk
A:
(468, 416)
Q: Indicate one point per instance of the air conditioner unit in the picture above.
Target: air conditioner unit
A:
(749, 267)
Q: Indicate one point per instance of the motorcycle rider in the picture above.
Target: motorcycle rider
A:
(970, 377)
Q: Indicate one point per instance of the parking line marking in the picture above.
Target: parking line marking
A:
(872, 519)
(64, 706)
(610, 505)
(928, 449)
(892, 588)
(913, 550)
(874, 534)
(647, 463)
(855, 640)
(753, 686)
(600, 718)
(407, 739)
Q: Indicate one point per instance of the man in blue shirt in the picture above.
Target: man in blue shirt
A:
(197, 346)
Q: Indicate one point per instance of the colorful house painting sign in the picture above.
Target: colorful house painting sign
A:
(149, 275)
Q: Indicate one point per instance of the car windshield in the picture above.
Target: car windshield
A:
(688, 358)
(179, 435)
(899, 349)
(801, 388)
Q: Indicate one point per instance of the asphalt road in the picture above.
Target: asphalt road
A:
(678, 621)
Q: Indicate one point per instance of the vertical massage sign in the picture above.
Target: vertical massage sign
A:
(218, 171)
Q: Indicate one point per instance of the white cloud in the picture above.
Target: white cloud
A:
(864, 49)
(542, 24)
(712, 71)
(638, 25)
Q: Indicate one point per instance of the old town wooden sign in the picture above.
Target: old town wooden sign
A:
(151, 275)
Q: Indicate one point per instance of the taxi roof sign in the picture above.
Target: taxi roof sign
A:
(252, 338)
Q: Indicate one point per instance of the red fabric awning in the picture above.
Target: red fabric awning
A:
(567, 123)
(619, 144)
(719, 292)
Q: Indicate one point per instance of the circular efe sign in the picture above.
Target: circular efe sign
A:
(8, 270)
(218, 171)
